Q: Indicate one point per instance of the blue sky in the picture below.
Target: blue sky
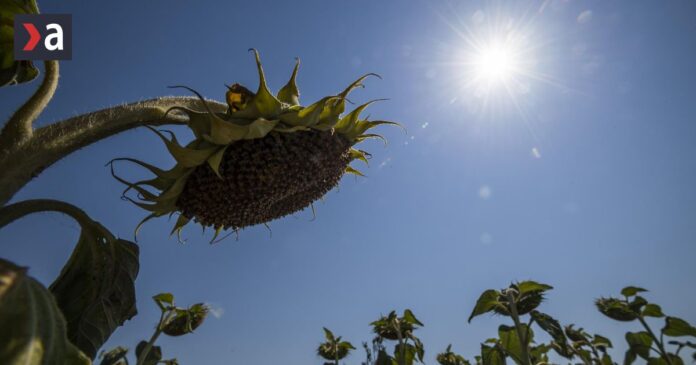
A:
(581, 177)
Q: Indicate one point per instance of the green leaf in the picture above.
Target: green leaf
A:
(384, 359)
(96, 287)
(630, 291)
(329, 335)
(408, 317)
(153, 356)
(584, 355)
(404, 354)
(95, 290)
(630, 357)
(550, 325)
(606, 359)
(485, 303)
(652, 310)
(640, 343)
(116, 356)
(602, 341)
(492, 356)
(32, 328)
(532, 286)
(674, 359)
(637, 304)
(538, 353)
(510, 342)
(163, 300)
(677, 327)
(14, 72)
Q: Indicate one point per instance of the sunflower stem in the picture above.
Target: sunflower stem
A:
(19, 128)
(518, 327)
(660, 346)
(21, 163)
(155, 335)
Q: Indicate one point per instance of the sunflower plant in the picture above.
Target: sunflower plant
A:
(333, 349)
(255, 157)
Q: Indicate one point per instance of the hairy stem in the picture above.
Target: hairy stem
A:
(18, 129)
(51, 143)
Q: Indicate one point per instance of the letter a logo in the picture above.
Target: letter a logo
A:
(42, 37)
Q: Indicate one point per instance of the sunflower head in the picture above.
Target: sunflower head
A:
(617, 309)
(267, 156)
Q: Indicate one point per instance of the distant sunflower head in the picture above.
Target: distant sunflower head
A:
(266, 157)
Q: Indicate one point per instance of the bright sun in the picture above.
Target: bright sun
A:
(496, 62)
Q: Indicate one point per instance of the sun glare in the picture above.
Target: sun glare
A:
(495, 63)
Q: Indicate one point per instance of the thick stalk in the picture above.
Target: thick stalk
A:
(518, 327)
(49, 144)
(19, 128)
(659, 344)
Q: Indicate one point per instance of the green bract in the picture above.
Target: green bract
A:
(267, 156)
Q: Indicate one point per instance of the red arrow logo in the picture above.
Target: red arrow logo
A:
(34, 36)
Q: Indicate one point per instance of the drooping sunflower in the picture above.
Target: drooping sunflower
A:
(266, 157)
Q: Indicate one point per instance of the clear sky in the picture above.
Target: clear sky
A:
(576, 168)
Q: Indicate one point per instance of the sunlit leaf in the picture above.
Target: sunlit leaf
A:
(32, 328)
(652, 310)
(163, 300)
(532, 286)
(630, 291)
(290, 93)
(677, 327)
(486, 302)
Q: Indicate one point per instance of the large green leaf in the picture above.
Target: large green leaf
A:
(485, 303)
(553, 328)
(14, 72)
(511, 343)
(32, 328)
(677, 327)
(96, 288)
(492, 355)
(639, 343)
(405, 354)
